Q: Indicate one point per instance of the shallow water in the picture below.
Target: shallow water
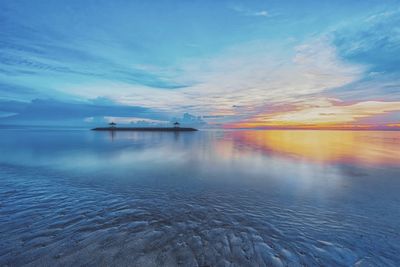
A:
(208, 198)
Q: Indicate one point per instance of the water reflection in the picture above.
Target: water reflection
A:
(366, 148)
(221, 151)
(353, 147)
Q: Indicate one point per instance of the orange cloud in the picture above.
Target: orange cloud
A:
(325, 114)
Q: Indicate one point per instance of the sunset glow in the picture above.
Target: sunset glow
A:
(331, 115)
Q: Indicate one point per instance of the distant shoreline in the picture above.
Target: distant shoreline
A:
(149, 129)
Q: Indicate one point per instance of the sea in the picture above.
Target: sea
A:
(75, 197)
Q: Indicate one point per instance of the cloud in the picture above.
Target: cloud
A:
(327, 113)
(262, 13)
(50, 52)
(11, 91)
(12, 106)
(241, 83)
(79, 64)
(378, 86)
(187, 120)
(249, 12)
(134, 120)
(374, 41)
(57, 112)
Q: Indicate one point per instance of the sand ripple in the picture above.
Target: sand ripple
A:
(48, 222)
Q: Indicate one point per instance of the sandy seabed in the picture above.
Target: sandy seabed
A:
(47, 222)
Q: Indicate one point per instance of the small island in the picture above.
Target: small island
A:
(176, 128)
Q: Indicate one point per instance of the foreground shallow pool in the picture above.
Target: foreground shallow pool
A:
(207, 198)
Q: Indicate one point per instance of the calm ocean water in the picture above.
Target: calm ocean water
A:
(207, 198)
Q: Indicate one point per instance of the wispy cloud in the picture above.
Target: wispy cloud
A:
(374, 41)
(249, 12)
(262, 13)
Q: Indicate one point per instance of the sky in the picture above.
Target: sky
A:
(231, 64)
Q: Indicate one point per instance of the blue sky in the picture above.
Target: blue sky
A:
(238, 63)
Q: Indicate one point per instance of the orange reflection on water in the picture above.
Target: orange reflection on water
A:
(362, 147)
